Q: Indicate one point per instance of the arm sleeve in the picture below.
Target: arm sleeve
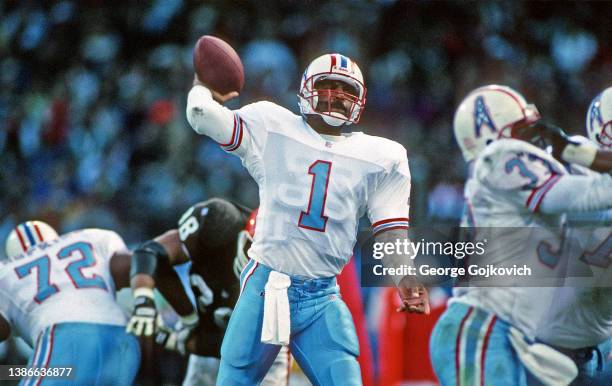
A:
(388, 205)
(106, 243)
(241, 132)
(115, 243)
(208, 117)
(578, 194)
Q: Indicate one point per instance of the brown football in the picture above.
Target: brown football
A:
(218, 65)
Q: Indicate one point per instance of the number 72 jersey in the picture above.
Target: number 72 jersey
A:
(64, 280)
(314, 189)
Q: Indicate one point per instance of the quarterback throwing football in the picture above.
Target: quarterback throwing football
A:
(315, 182)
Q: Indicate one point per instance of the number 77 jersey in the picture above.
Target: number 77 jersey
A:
(65, 280)
(313, 189)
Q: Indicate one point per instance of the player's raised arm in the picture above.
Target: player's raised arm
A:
(585, 153)
(539, 182)
(206, 116)
(219, 76)
(578, 194)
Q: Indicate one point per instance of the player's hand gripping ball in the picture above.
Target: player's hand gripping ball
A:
(217, 65)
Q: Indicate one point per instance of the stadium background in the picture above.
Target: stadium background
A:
(92, 94)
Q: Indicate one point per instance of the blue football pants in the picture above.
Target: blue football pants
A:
(470, 347)
(323, 339)
(99, 355)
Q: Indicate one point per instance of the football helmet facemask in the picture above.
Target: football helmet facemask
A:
(26, 235)
(488, 113)
(321, 95)
(599, 120)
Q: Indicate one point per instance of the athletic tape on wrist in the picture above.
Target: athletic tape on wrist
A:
(582, 154)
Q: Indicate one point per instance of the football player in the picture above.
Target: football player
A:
(213, 237)
(58, 294)
(579, 322)
(486, 334)
(315, 182)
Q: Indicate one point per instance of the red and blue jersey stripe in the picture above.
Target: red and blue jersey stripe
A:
(237, 134)
(391, 223)
(537, 195)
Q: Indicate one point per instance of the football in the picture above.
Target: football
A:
(217, 65)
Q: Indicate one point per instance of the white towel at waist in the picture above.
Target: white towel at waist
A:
(276, 319)
(550, 366)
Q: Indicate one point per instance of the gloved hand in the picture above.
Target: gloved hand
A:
(142, 322)
(555, 136)
(176, 339)
(222, 316)
(565, 148)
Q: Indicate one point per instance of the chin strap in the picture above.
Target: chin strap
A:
(318, 120)
(333, 121)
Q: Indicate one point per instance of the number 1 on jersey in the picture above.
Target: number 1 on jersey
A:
(313, 218)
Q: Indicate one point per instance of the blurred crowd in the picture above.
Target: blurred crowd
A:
(92, 93)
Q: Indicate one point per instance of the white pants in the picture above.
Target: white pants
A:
(202, 371)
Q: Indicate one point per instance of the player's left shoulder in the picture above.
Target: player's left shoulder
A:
(380, 150)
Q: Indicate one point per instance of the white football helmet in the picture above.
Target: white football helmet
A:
(488, 113)
(332, 67)
(599, 120)
(26, 235)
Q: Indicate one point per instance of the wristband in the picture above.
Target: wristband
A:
(189, 320)
(582, 154)
(143, 291)
(145, 258)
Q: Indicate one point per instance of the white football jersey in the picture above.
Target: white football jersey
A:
(580, 314)
(578, 317)
(313, 190)
(64, 280)
(510, 179)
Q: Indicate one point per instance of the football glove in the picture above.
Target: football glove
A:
(222, 316)
(554, 135)
(176, 340)
(565, 148)
(142, 322)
